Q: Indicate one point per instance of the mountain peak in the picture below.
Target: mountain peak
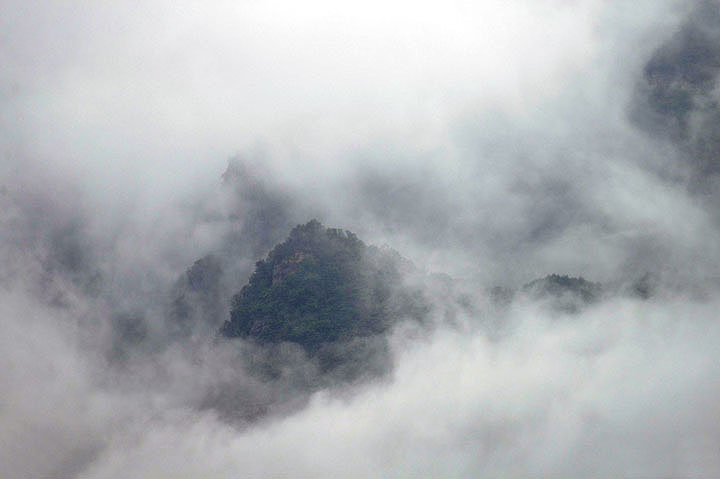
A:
(318, 287)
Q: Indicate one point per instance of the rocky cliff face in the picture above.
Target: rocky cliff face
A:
(289, 266)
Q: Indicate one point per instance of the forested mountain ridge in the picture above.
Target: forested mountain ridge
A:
(317, 312)
(322, 286)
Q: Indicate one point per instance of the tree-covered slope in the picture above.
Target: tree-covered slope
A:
(322, 286)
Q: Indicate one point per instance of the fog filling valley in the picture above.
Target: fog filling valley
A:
(494, 152)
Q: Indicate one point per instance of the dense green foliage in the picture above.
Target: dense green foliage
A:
(320, 286)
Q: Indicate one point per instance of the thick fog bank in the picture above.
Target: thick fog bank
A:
(626, 387)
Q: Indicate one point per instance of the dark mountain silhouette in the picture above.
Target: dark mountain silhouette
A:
(676, 98)
(564, 293)
(323, 289)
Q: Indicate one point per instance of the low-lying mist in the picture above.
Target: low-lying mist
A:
(627, 386)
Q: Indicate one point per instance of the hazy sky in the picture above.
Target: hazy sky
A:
(496, 141)
(496, 129)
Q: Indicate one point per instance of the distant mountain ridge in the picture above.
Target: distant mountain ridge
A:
(565, 293)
